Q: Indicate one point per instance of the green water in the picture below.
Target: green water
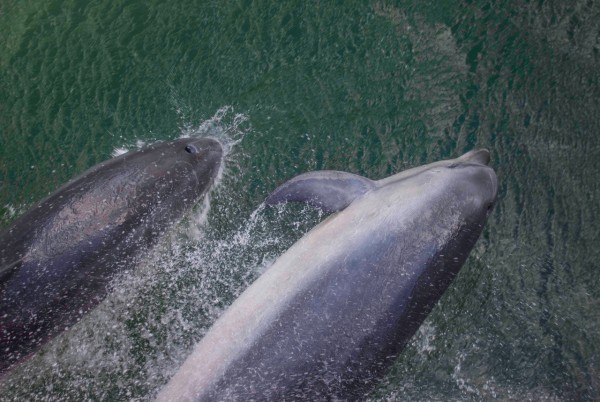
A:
(366, 87)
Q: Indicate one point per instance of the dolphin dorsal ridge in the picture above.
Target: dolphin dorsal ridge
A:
(328, 190)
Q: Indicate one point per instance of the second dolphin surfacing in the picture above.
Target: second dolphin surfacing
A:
(59, 259)
(334, 311)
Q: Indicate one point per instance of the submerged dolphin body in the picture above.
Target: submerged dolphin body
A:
(57, 260)
(328, 318)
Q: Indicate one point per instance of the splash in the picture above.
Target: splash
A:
(229, 128)
(226, 126)
(425, 338)
(132, 343)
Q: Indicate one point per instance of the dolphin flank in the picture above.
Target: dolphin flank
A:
(330, 316)
(56, 261)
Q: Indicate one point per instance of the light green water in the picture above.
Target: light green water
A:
(366, 87)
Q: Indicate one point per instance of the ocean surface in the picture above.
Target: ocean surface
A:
(369, 87)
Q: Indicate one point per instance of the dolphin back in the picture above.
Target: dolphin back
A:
(332, 313)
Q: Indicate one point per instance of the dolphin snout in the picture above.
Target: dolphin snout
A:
(210, 144)
(481, 156)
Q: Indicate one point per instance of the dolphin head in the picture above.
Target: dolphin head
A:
(177, 172)
(466, 184)
(475, 183)
(204, 154)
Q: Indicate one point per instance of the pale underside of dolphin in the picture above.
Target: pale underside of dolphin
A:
(333, 312)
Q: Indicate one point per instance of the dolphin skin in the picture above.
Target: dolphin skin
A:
(327, 319)
(57, 260)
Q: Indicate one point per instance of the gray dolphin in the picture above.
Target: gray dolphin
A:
(58, 258)
(328, 318)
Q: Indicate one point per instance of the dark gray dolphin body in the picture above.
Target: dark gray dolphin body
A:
(335, 310)
(57, 259)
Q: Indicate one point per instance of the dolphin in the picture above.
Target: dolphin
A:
(332, 313)
(57, 260)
